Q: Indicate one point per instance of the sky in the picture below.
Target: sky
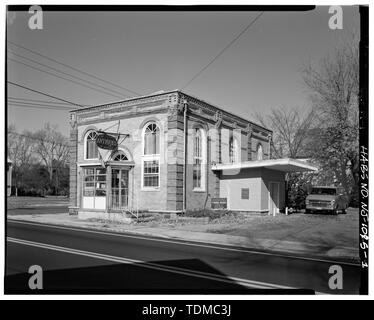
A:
(152, 51)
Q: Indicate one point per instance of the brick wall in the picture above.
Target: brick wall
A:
(133, 148)
(175, 159)
(73, 158)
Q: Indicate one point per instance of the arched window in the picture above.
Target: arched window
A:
(199, 159)
(151, 157)
(151, 139)
(233, 150)
(119, 156)
(92, 151)
(259, 152)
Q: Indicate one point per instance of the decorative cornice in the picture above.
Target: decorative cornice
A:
(173, 100)
(248, 130)
(175, 110)
(229, 119)
(84, 119)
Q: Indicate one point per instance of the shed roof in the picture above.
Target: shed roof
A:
(285, 165)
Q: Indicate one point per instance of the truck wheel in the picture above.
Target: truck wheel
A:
(307, 211)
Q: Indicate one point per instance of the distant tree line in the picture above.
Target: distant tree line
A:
(40, 161)
(326, 132)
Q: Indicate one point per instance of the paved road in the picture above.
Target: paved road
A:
(83, 261)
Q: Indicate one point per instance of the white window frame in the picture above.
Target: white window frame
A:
(203, 159)
(85, 146)
(150, 157)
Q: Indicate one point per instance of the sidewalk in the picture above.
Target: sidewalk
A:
(337, 253)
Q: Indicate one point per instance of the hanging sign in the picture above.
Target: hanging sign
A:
(105, 141)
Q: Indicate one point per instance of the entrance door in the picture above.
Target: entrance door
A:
(120, 188)
(94, 188)
(273, 198)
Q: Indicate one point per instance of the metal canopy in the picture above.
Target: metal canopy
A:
(285, 165)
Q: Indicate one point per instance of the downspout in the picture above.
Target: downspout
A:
(184, 155)
(207, 167)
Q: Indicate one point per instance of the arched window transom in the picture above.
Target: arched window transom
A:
(151, 139)
(120, 156)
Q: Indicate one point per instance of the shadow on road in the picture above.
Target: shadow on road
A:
(134, 279)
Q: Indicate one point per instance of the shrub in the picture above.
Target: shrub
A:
(212, 214)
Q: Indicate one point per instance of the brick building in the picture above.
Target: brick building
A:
(175, 153)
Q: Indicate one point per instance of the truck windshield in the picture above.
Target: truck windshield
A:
(327, 191)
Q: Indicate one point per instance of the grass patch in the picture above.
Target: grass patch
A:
(208, 213)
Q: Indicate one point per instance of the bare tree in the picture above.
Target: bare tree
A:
(20, 147)
(290, 130)
(21, 151)
(52, 148)
(291, 137)
(334, 86)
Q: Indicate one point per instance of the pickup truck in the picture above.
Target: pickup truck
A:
(330, 199)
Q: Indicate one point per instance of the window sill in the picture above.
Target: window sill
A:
(150, 189)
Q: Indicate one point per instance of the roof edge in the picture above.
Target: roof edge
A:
(264, 164)
(169, 92)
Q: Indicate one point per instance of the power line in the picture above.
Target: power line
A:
(121, 95)
(39, 101)
(224, 49)
(58, 105)
(56, 108)
(45, 94)
(69, 80)
(50, 104)
(34, 107)
(42, 105)
(73, 68)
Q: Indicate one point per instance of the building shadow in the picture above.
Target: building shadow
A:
(135, 279)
